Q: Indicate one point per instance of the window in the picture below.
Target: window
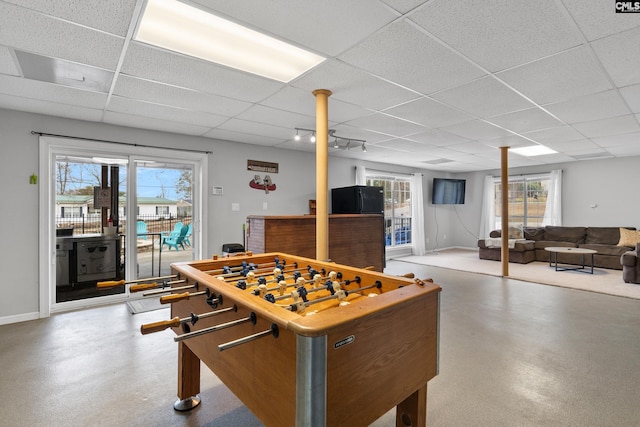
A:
(397, 207)
(162, 210)
(527, 200)
(71, 211)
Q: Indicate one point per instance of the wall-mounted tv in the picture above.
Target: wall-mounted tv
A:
(448, 191)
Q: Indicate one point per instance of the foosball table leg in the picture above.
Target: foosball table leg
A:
(412, 412)
(188, 379)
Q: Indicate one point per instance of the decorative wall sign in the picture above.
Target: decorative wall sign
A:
(101, 197)
(262, 184)
(258, 166)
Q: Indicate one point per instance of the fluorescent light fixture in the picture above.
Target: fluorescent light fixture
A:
(533, 150)
(176, 26)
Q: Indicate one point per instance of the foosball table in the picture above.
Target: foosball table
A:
(303, 342)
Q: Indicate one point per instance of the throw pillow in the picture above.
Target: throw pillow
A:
(629, 237)
(515, 233)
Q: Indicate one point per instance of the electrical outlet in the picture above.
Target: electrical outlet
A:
(235, 207)
(265, 206)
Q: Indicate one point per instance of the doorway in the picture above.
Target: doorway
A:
(150, 195)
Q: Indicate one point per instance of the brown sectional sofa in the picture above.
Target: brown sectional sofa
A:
(631, 265)
(535, 239)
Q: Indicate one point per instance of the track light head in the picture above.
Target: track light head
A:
(297, 137)
(313, 137)
(364, 148)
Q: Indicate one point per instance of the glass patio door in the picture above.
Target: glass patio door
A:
(164, 216)
(155, 212)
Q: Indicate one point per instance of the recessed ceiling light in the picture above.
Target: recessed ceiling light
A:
(186, 29)
(533, 150)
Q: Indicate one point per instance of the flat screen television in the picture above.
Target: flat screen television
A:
(448, 191)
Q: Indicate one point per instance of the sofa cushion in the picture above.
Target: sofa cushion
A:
(541, 244)
(603, 235)
(565, 234)
(533, 233)
(629, 238)
(610, 250)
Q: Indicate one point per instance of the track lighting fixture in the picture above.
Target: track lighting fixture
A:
(332, 134)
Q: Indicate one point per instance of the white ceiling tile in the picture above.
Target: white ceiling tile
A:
(151, 123)
(632, 138)
(8, 65)
(11, 102)
(429, 113)
(590, 107)
(329, 26)
(351, 132)
(407, 146)
(620, 56)
(404, 6)
(525, 120)
(386, 124)
(276, 117)
(437, 137)
(475, 148)
(244, 126)
(404, 54)
(245, 138)
(159, 93)
(572, 146)
(158, 111)
(37, 90)
(354, 86)
(625, 150)
(110, 16)
(557, 134)
(631, 94)
(567, 75)
(608, 127)
(511, 141)
(59, 39)
(304, 102)
(166, 67)
(476, 129)
(498, 34)
(484, 97)
(596, 18)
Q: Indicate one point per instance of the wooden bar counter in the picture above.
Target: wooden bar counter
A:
(355, 240)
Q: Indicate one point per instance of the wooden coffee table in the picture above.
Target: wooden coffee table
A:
(553, 257)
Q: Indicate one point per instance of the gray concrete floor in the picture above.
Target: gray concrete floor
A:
(511, 354)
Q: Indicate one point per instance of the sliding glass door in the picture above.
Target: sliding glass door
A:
(114, 213)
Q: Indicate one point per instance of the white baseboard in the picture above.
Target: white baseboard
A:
(19, 318)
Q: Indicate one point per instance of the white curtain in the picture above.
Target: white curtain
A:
(417, 215)
(553, 211)
(361, 175)
(488, 214)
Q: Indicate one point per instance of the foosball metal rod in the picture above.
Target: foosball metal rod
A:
(250, 266)
(176, 321)
(112, 283)
(252, 318)
(169, 299)
(170, 289)
(240, 275)
(273, 331)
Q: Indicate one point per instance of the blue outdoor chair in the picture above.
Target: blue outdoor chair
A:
(174, 242)
(141, 229)
(188, 235)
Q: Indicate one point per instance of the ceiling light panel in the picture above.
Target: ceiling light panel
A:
(533, 150)
(182, 28)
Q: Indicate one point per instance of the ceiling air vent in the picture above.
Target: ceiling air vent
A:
(437, 161)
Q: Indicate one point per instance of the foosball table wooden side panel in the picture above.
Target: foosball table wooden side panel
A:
(260, 373)
(393, 354)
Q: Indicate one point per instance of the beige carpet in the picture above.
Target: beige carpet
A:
(602, 280)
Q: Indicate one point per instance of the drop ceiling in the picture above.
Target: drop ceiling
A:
(430, 84)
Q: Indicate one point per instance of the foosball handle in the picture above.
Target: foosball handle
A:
(168, 299)
(110, 283)
(142, 287)
(159, 326)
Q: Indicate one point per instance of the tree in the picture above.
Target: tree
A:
(184, 184)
